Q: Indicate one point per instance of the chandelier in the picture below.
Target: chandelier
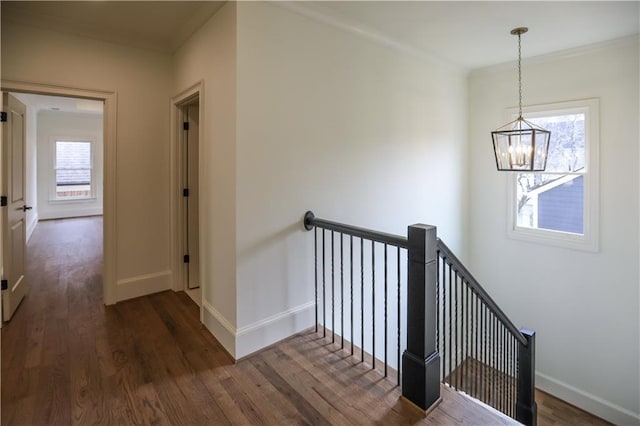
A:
(521, 145)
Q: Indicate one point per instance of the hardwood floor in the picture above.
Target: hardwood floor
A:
(69, 360)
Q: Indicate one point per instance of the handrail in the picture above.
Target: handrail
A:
(477, 288)
(381, 237)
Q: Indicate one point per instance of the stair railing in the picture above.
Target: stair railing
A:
(348, 277)
(455, 333)
(483, 352)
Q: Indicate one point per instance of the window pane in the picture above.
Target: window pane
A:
(567, 144)
(73, 169)
(551, 201)
(73, 155)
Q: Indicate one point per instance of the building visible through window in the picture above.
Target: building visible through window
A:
(73, 169)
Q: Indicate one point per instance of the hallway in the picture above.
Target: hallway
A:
(69, 360)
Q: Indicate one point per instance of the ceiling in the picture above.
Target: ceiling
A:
(58, 103)
(158, 25)
(469, 34)
(475, 34)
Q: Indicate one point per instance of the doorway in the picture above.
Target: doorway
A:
(190, 155)
(187, 113)
(108, 101)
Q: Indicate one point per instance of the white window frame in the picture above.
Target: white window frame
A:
(53, 193)
(588, 241)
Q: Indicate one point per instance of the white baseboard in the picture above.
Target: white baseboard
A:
(142, 285)
(588, 402)
(31, 226)
(221, 329)
(268, 331)
(69, 213)
(251, 338)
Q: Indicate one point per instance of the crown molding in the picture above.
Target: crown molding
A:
(306, 9)
(563, 54)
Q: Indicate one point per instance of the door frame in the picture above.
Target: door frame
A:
(109, 236)
(196, 91)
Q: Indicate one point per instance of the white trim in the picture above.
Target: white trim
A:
(195, 91)
(74, 211)
(110, 99)
(561, 54)
(260, 334)
(589, 241)
(329, 18)
(142, 285)
(587, 401)
(31, 226)
(265, 332)
(218, 325)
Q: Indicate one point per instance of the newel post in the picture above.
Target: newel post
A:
(526, 407)
(421, 361)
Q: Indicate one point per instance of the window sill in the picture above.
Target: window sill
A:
(83, 200)
(555, 238)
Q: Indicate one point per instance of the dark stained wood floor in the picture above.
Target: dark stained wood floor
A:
(69, 360)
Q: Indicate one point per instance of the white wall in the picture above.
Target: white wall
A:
(210, 56)
(142, 81)
(584, 306)
(355, 131)
(58, 124)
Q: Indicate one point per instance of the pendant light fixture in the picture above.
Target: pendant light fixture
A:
(521, 145)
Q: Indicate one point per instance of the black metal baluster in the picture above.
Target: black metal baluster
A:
(454, 348)
(503, 374)
(385, 311)
(499, 367)
(315, 259)
(351, 285)
(438, 294)
(476, 319)
(398, 300)
(514, 365)
(333, 292)
(494, 346)
(491, 365)
(373, 305)
(341, 292)
(451, 348)
(467, 334)
(362, 299)
(498, 363)
(324, 290)
(484, 354)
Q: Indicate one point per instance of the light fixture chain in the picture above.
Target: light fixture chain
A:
(519, 76)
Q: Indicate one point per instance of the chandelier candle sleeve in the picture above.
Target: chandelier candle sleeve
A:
(521, 145)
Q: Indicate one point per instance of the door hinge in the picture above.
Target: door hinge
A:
(4, 285)
(186, 258)
(3, 116)
(3, 201)
(185, 125)
(185, 192)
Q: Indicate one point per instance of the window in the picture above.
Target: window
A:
(73, 170)
(560, 206)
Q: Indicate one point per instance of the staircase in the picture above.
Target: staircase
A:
(408, 304)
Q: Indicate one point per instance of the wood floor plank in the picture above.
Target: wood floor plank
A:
(69, 360)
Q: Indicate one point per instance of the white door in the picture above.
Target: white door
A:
(191, 201)
(13, 214)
